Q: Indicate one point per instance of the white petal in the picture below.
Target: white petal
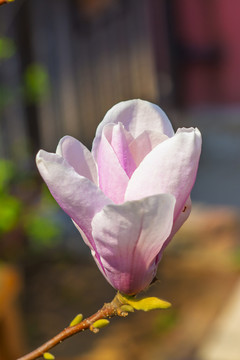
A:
(129, 236)
(136, 116)
(79, 157)
(78, 196)
(170, 167)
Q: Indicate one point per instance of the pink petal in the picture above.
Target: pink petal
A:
(119, 143)
(129, 236)
(144, 143)
(170, 167)
(182, 217)
(79, 197)
(113, 179)
(180, 220)
(79, 157)
(136, 116)
(84, 237)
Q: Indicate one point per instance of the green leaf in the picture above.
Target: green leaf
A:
(48, 356)
(100, 323)
(145, 304)
(127, 308)
(76, 320)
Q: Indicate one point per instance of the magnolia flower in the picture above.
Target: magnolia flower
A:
(129, 195)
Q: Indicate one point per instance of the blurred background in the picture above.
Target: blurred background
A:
(63, 64)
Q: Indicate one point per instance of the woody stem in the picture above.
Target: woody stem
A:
(107, 311)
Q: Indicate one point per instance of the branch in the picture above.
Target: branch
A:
(121, 305)
(107, 311)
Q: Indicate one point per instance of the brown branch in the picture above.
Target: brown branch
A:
(107, 311)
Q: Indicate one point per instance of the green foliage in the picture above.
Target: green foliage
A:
(78, 318)
(127, 308)
(37, 219)
(48, 356)
(10, 210)
(36, 83)
(42, 231)
(100, 323)
(35, 87)
(145, 304)
(41, 225)
(7, 48)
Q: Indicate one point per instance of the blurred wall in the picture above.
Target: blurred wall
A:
(93, 54)
(204, 51)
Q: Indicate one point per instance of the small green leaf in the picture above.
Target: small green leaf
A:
(76, 320)
(145, 304)
(100, 323)
(127, 308)
(48, 356)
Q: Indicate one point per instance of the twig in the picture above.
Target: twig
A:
(107, 311)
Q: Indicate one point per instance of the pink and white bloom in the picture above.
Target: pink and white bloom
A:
(129, 195)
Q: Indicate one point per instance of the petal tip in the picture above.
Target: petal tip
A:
(39, 156)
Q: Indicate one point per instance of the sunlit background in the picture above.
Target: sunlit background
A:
(63, 64)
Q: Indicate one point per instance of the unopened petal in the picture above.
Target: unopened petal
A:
(79, 197)
(170, 167)
(120, 145)
(144, 143)
(180, 220)
(182, 217)
(79, 157)
(129, 236)
(136, 116)
(113, 179)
